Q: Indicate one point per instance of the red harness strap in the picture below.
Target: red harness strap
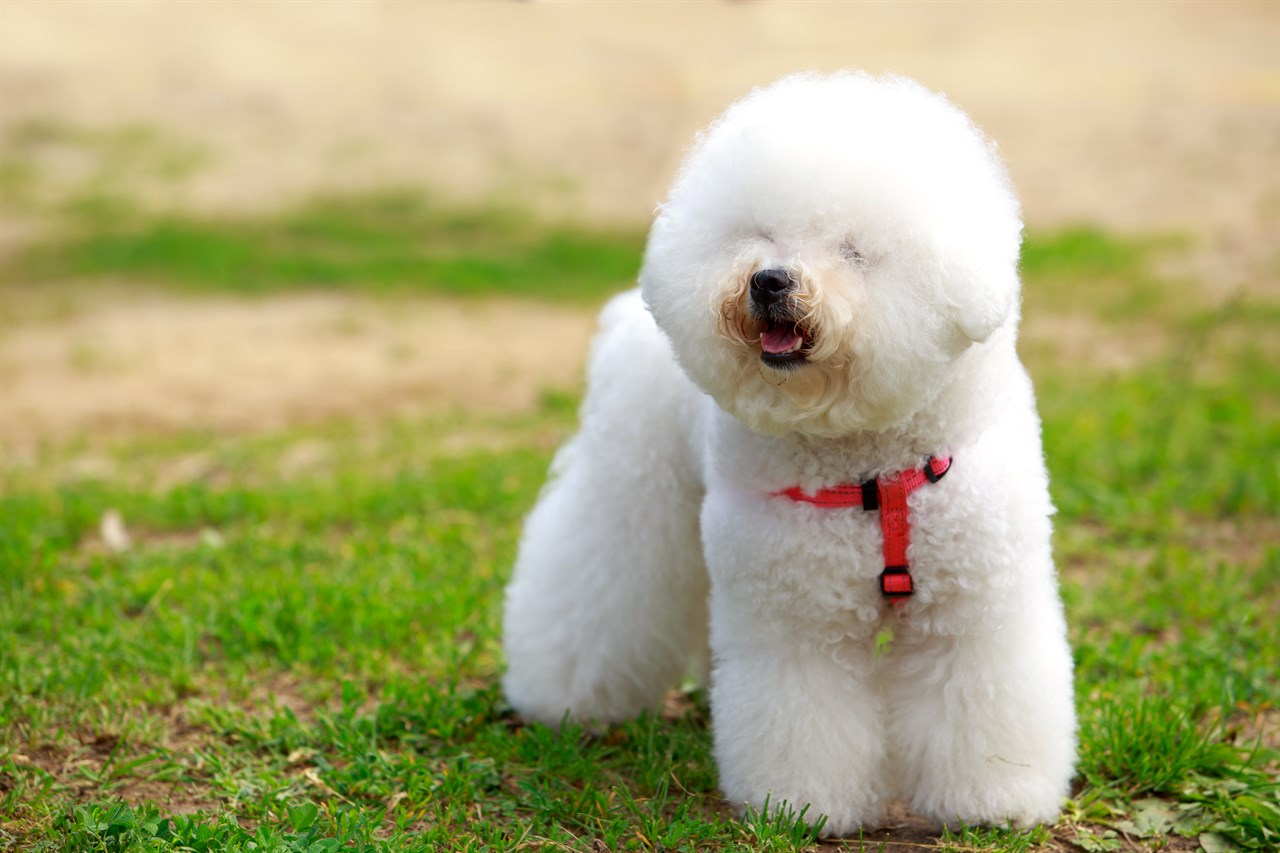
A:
(889, 495)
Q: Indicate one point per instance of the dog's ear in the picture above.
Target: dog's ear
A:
(982, 300)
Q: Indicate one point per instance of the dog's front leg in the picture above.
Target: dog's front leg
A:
(796, 724)
(984, 722)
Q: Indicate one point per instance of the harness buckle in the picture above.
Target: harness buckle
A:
(932, 475)
(895, 582)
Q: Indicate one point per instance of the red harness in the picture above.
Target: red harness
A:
(889, 495)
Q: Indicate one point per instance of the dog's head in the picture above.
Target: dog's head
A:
(831, 246)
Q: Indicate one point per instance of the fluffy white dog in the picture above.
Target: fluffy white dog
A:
(817, 432)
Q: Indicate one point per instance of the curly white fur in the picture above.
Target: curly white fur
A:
(895, 220)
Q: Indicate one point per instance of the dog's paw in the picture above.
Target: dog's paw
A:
(1022, 810)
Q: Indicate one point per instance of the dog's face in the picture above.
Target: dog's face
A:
(830, 248)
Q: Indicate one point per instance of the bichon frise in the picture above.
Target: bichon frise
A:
(808, 428)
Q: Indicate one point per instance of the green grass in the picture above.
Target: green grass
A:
(99, 228)
(309, 661)
(293, 660)
(387, 240)
(402, 241)
(1085, 269)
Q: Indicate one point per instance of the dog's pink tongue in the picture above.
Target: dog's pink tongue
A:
(779, 339)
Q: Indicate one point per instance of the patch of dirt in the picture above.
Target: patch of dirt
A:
(281, 690)
(1260, 727)
(81, 769)
(903, 832)
(151, 363)
(1089, 342)
(1242, 542)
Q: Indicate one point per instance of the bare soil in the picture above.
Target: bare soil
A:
(135, 361)
(1138, 116)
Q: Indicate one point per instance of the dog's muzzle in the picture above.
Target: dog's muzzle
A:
(783, 342)
(769, 287)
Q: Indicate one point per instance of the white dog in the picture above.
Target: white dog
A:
(818, 432)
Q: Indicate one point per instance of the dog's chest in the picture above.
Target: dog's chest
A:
(767, 538)
(824, 563)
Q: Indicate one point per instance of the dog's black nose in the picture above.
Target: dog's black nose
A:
(769, 286)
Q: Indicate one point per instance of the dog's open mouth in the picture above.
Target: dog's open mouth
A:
(783, 344)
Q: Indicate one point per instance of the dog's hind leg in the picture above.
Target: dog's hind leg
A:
(607, 606)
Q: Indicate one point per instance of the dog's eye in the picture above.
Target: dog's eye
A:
(852, 256)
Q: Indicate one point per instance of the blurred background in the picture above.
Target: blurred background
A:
(211, 128)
